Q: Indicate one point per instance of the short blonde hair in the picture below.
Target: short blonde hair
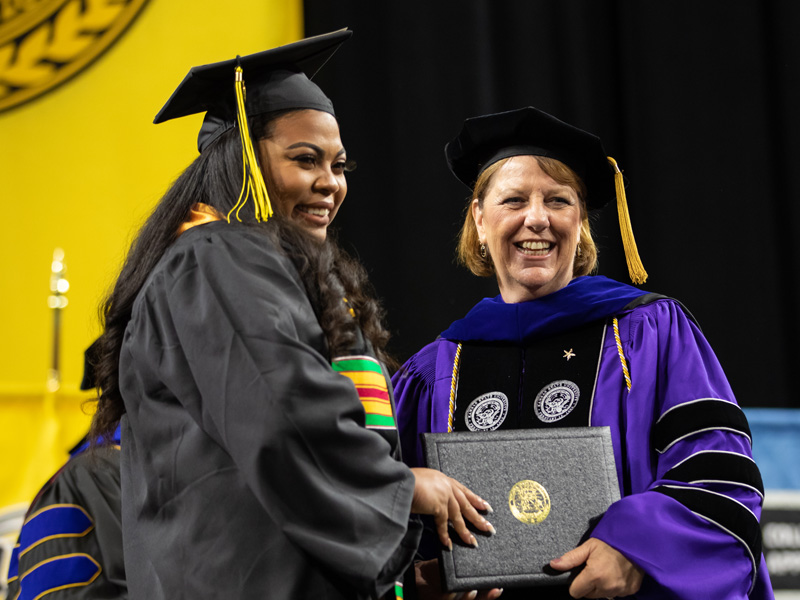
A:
(468, 251)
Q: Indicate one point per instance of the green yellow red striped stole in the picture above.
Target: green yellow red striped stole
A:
(367, 375)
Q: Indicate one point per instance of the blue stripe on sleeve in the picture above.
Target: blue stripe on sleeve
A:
(57, 520)
(58, 573)
(13, 565)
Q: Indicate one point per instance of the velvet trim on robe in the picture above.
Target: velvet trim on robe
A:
(583, 300)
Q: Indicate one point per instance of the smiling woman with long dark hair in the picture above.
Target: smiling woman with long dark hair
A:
(243, 356)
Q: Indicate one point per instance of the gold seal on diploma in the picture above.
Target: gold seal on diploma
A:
(529, 502)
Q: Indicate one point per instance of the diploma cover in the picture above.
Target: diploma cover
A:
(548, 487)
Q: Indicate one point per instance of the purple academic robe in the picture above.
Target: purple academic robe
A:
(672, 367)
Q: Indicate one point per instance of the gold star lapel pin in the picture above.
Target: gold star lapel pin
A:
(568, 354)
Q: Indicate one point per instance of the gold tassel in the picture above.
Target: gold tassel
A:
(252, 179)
(635, 267)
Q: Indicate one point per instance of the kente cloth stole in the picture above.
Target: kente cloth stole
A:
(367, 373)
(547, 383)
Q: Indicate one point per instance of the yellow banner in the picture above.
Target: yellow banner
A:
(81, 165)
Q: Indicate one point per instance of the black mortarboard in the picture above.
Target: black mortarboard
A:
(487, 139)
(275, 79)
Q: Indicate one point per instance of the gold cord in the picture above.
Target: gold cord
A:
(625, 372)
(453, 381)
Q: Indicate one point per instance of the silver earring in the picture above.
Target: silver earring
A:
(483, 250)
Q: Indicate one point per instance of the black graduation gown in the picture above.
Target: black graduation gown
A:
(247, 471)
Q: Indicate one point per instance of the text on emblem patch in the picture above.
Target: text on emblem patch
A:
(487, 412)
(556, 400)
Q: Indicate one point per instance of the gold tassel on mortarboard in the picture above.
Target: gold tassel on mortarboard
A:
(252, 179)
(635, 266)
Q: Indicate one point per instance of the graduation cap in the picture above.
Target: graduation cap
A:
(277, 79)
(488, 139)
(232, 90)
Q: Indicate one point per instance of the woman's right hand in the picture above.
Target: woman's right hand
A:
(447, 500)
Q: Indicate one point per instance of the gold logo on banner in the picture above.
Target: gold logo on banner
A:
(45, 42)
(529, 502)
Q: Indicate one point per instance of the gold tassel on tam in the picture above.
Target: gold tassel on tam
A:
(635, 266)
(252, 180)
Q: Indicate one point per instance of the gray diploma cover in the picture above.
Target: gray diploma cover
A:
(547, 488)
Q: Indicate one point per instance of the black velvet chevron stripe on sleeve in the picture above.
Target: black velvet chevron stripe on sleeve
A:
(724, 467)
(722, 511)
(694, 417)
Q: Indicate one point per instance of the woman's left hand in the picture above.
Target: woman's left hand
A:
(429, 585)
(607, 573)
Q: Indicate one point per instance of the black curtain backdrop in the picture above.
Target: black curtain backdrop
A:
(697, 100)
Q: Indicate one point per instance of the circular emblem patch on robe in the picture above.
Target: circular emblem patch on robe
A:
(529, 502)
(487, 412)
(556, 400)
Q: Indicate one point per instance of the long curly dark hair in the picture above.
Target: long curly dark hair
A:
(215, 178)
